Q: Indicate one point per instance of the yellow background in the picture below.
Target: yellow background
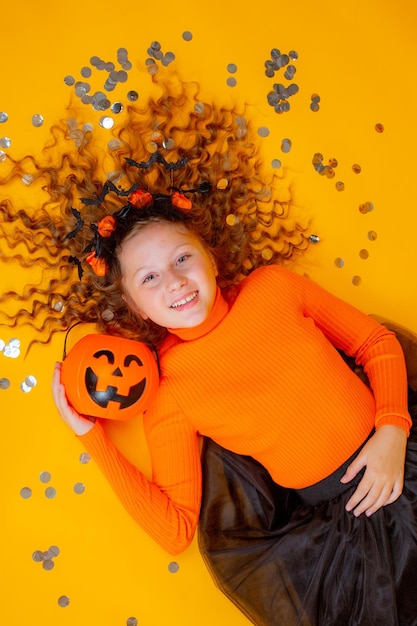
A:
(360, 57)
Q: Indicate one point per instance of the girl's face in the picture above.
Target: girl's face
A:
(168, 276)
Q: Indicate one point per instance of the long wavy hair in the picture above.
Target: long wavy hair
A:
(245, 220)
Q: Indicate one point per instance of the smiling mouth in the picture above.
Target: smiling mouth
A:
(184, 301)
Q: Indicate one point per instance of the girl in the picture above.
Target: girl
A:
(305, 518)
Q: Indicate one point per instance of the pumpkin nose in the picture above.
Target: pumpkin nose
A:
(117, 372)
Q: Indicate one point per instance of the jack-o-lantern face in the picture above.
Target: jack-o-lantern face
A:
(110, 377)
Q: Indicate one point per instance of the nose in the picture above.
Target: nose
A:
(175, 280)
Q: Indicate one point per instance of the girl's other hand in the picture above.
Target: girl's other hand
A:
(80, 425)
(382, 483)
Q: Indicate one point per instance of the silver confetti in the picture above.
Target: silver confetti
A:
(131, 621)
(79, 488)
(173, 567)
(63, 601)
(5, 142)
(106, 122)
(26, 492)
(85, 458)
(187, 36)
(27, 179)
(132, 96)
(231, 81)
(4, 383)
(37, 120)
(50, 492)
(3, 117)
(3, 156)
(45, 477)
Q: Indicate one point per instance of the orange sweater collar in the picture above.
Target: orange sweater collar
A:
(217, 313)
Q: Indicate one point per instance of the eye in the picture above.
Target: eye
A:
(149, 278)
(182, 258)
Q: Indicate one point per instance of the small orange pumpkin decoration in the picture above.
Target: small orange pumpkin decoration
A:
(110, 377)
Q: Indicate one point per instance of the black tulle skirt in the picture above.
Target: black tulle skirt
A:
(286, 562)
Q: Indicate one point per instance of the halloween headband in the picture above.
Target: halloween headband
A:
(137, 199)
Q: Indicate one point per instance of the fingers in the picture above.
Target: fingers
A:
(369, 498)
(77, 423)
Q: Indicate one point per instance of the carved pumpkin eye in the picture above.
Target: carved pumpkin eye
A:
(110, 377)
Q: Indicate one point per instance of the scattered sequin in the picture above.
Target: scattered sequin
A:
(223, 183)
(85, 458)
(106, 122)
(314, 238)
(372, 235)
(286, 145)
(356, 280)
(58, 306)
(25, 492)
(267, 254)
(340, 186)
(339, 262)
(3, 156)
(107, 315)
(132, 96)
(63, 601)
(12, 349)
(363, 254)
(69, 80)
(356, 168)
(79, 488)
(48, 564)
(28, 384)
(45, 477)
(263, 131)
(5, 142)
(199, 108)
(187, 36)
(27, 179)
(116, 108)
(3, 117)
(232, 68)
(37, 120)
(276, 163)
(231, 81)
(379, 128)
(232, 220)
(168, 144)
(4, 383)
(50, 492)
(131, 621)
(173, 567)
(366, 207)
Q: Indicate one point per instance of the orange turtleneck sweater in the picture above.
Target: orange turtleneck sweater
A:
(262, 377)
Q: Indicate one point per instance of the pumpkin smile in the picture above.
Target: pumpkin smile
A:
(111, 394)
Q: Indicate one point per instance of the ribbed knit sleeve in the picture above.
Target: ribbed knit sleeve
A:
(373, 346)
(167, 507)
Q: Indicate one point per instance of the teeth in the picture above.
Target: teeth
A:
(184, 300)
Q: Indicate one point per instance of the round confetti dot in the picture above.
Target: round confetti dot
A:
(107, 315)
(329, 172)
(45, 477)
(356, 280)
(168, 144)
(58, 306)
(263, 131)
(37, 556)
(231, 82)
(50, 493)
(372, 235)
(173, 567)
(276, 163)
(286, 145)
(4, 383)
(3, 117)
(69, 80)
(5, 142)
(3, 156)
(379, 128)
(339, 262)
(356, 168)
(232, 220)
(53, 551)
(79, 488)
(199, 108)
(232, 68)
(222, 184)
(25, 493)
(267, 254)
(132, 96)
(366, 207)
(131, 621)
(30, 381)
(363, 254)
(314, 238)
(340, 186)
(187, 36)
(106, 122)
(85, 458)
(48, 565)
(333, 162)
(37, 120)
(63, 601)
(116, 108)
